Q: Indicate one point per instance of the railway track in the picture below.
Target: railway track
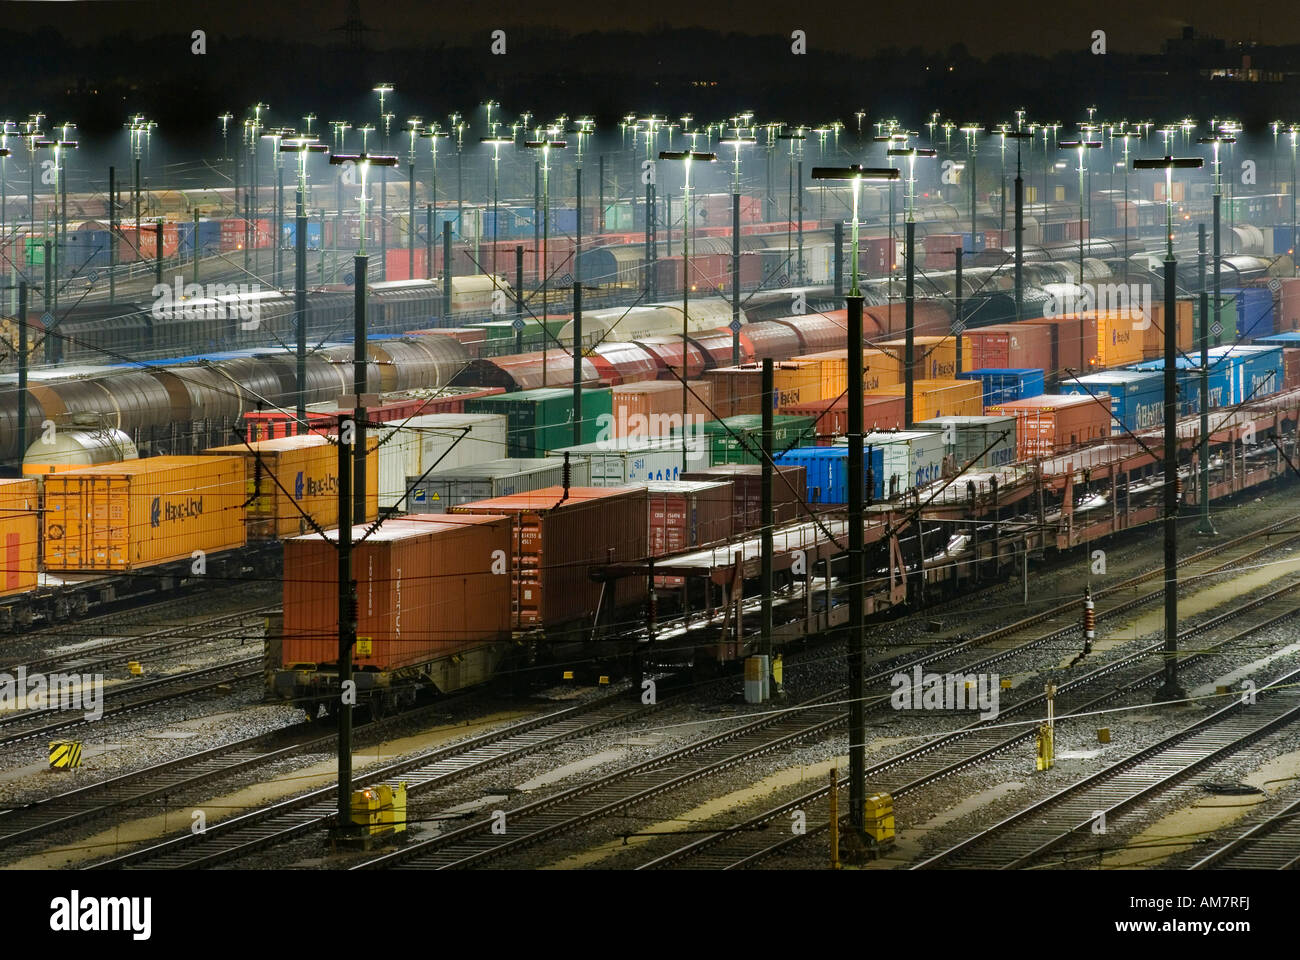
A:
(1270, 844)
(751, 840)
(1025, 838)
(552, 816)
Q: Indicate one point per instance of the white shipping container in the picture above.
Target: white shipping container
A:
(965, 439)
(623, 460)
(411, 447)
(444, 489)
(912, 458)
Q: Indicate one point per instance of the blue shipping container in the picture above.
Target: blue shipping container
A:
(1255, 370)
(1002, 385)
(1289, 338)
(1189, 382)
(1137, 397)
(1254, 310)
(87, 249)
(827, 470)
(290, 230)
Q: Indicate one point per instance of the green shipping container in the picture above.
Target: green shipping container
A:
(541, 420)
(500, 334)
(35, 251)
(742, 437)
(1227, 316)
(618, 218)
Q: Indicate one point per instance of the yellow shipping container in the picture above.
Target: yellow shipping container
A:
(306, 468)
(795, 382)
(20, 534)
(933, 358)
(1117, 342)
(878, 370)
(123, 516)
(940, 398)
(1153, 337)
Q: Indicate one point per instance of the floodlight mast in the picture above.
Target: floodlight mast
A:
(858, 493)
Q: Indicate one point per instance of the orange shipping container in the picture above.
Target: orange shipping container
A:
(1118, 343)
(125, 516)
(1052, 423)
(933, 358)
(940, 398)
(289, 476)
(1074, 343)
(653, 408)
(20, 533)
(686, 514)
(739, 390)
(1153, 337)
(556, 539)
(426, 589)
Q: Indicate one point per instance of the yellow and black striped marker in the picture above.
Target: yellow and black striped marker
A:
(65, 754)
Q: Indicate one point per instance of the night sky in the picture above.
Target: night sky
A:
(985, 28)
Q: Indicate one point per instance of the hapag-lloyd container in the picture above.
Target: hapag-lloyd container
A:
(827, 470)
(624, 460)
(976, 442)
(290, 476)
(1153, 337)
(788, 484)
(20, 535)
(444, 489)
(940, 398)
(738, 391)
(910, 458)
(878, 370)
(653, 408)
(437, 441)
(1121, 336)
(124, 516)
(557, 538)
(1052, 423)
(426, 589)
(1007, 346)
(1002, 385)
(933, 358)
(831, 417)
(1137, 398)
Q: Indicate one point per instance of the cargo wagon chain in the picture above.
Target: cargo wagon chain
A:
(748, 842)
(1023, 839)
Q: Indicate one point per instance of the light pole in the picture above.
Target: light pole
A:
(304, 147)
(1126, 137)
(1081, 146)
(736, 142)
(857, 494)
(1019, 136)
(795, 140)
(1218, 200)
(433, 134)
(687, 157)
(972, 132)
(545, 146)
(1170, 690)
(497, 143)
(909, 227)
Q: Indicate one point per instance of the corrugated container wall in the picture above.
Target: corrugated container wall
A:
(976, 442)
(788, 483)
(125, 516)
(1053, 423)
(1003, 385)
(940, 398)
(440, 491)
(20, 535)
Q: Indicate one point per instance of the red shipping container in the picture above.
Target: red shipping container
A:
(789, 484)
(557, 539)
(1290, 368)
(426, 589)
(1053, 423)
(688, 513)
(1014, 346)
(145, 246)
(940, 250)
(875, 256)
(1288, 312)
(653, 408)
(1074, 343)
(832, 416)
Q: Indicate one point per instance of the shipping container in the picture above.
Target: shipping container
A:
(910, 458)
(1002, 385)
(1118, 343)
(933, 358)
(1137, 397)
(1053, 423)
(1254, 307)
(831, 417)
(740, 439)
(440, 491)
(541, 420)
(1288, 315)
(975, 442)
(1074, 343)
(1007, 346)
(558, 536)
(1153, 336)
(1254, 370)
(441, 441)
(653, 408)
(425, 590)
(827, 474)
(621, 461)
(20, 535)
(1188, 382)
(788, 485)
(1290, 368)
(878, 370)
(739, 390)
(284, 479)
(685, 514)
(940, 398)
(137, 514)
